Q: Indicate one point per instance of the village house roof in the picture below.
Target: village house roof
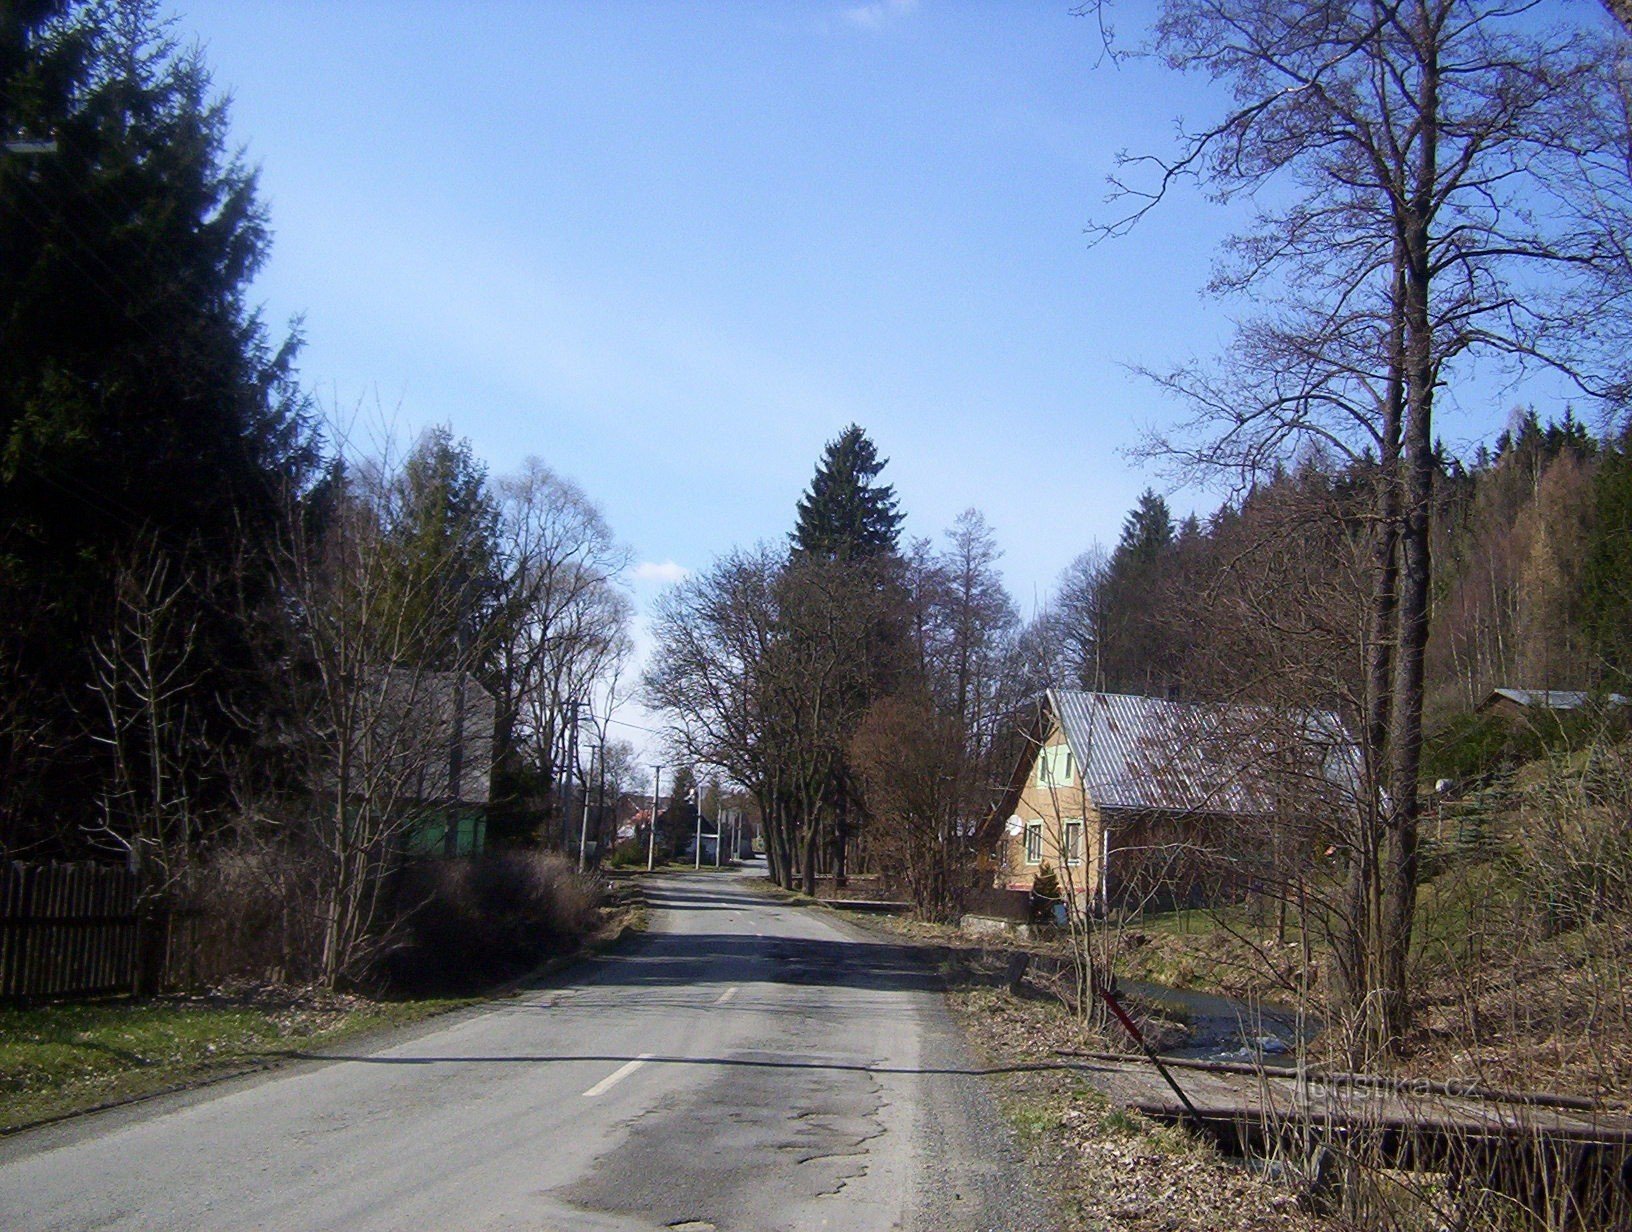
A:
(1549, 699)
(1148, 753)
(438, 725)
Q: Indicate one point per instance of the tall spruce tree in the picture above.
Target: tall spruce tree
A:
(846, 515)
(444, 541)
(145, 410)
(1606, 601)
(1139, 654)
(1147, 532)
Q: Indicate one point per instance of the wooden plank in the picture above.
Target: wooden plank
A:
(1272, 1100)
(10, 890)
(40, 893)
(1410, 1086)
(80, 938)
(8, 943)
(66, 929)
(48, 973)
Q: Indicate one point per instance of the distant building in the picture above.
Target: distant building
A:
(634, 814)
(426, 739)
(1517, 703)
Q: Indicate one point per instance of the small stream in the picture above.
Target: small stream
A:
(1229, 1029)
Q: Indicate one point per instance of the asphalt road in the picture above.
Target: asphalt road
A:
(747, 1064)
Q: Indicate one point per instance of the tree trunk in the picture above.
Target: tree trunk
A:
(813, 836)
(1399, 855)
(1359, 970)
(1405, 735)
(841, 841)
(767, 829)
(790, 874)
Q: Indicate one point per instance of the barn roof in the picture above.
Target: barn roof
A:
(1149, 753)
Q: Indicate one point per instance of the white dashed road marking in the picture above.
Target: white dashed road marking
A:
(617, 1076)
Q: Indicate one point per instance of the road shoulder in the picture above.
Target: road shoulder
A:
(396, 1022)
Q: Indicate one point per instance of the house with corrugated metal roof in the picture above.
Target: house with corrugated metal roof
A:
(1517, 703)
(1139, 801)
(423, 741)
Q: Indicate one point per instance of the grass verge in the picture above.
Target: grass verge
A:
(69, 1057)
(59, 1059)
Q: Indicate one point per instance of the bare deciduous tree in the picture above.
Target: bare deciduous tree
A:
(908, 757)
(561, 621)
(147, 680)
(1403, 159)
(376, 698)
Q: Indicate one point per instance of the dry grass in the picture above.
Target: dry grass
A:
(1234, 960)
(1549, 1015)
(1107, 1167)
(479, 921)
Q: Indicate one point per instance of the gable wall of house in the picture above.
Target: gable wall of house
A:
(1056, 814)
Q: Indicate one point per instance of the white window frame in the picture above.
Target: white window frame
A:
(1055, 766)
(1033, 828)
(1074, 850)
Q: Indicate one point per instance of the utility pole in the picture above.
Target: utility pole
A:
(600, 795)
(697, 790)
(583, 815)
(719, 835)
(651, 830)
(570, 770)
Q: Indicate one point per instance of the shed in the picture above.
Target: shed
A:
(1513, 703)
(430, 734)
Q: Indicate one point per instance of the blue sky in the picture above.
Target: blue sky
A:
(673, 249)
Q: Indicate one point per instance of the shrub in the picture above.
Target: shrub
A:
(631, 853)
(1575, 837)
(250, 913)
(1476, 746)
(469, 923)
(1045, 892)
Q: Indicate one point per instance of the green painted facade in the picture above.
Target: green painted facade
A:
(448, 834)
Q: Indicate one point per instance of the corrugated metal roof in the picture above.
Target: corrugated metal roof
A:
(1150, 753)
(420, 718)
(1555, 699)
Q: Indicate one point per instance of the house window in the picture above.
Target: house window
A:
(1034, 842)
(1073, 842)
(1054, 766)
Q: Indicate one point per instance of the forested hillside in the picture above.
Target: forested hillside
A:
(1532, 543)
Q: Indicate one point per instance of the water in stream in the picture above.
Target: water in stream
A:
(1227, 1029)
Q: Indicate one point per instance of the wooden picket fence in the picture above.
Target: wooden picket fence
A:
(67, 930)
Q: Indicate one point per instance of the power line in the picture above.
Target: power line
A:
(651, 731)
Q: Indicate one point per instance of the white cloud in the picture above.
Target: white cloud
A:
(872, 16)
(666, 572)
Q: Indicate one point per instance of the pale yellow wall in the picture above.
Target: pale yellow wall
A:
(1053, 806)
